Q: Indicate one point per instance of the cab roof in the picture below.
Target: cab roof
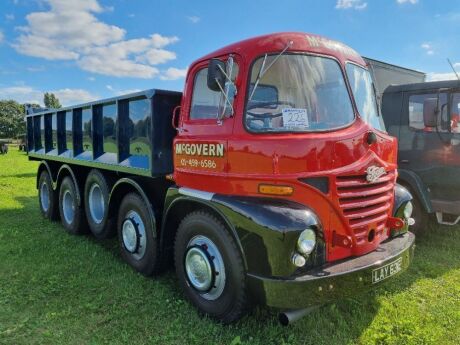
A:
(428, 85)
(276, 42)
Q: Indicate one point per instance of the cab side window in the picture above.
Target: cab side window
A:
(423, 112)
(206, 103)
(455, 113)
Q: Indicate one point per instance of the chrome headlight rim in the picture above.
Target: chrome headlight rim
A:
(408, 209)
(306, 243)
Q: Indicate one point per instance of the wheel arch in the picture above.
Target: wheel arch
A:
(66, 170)
(182, 205)
(415, 185)
(44, 165)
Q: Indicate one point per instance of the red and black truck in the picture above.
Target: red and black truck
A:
(268, 180)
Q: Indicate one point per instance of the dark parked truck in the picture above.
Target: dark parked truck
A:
(425, 118)
(267, 181)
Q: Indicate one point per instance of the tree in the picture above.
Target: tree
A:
(51, 101)
(12, 121)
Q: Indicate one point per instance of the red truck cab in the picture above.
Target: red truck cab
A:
(294, 119)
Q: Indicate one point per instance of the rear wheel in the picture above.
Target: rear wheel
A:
(46, 196)
(72, 215)
(97, 205)
(210, 268)
(138, 245)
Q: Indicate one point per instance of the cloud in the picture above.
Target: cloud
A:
(350, 4)
(441, 76)
(68, 27)
(130, 58)
(117, 92)
(28, 94)
(9, 16)
(35, 69)
(193, 19)
(69, 30)
(428, 47)
(413, 2)
(74, 96)
(2, 37)
(173, 73)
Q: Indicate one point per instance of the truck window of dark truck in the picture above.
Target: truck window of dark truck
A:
(455, 113)
(422, 109)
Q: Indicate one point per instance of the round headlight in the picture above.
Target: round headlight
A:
(306, 242)
(408, 208)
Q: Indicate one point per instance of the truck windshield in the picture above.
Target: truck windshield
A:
(363, 91)
(299, 93)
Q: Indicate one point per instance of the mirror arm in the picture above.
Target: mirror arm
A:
(225, 74)
(226, 98)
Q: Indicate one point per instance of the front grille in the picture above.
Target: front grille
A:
(365, 205)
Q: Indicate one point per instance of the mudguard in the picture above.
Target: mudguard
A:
(266, 229)
(413, 181)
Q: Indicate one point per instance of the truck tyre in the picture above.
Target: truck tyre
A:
(210, 268)
(138, 245)
(72, 215)
(97, 205)
(421, 217)
(46, 196)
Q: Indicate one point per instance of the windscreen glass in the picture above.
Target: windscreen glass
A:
(363, 91)
(297, 93)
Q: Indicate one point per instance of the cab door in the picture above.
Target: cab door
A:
(206, 123)
(424, 136)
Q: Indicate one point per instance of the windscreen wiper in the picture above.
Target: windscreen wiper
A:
(262, 70)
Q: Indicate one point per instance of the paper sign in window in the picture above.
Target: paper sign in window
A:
(295, 118)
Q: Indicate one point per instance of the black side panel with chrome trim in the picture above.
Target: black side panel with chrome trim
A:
(266, 229)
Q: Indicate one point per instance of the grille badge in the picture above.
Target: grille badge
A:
(374, 173)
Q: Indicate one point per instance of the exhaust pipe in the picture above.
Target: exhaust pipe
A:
(290, 316)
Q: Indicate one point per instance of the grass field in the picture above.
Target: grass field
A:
(61, 289)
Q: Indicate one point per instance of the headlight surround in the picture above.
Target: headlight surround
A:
(408, 208)
(306, 242)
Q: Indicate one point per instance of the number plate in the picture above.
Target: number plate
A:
(386, 271)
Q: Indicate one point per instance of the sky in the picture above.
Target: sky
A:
(83, 50)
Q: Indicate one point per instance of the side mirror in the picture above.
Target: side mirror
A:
(429, 112)
(216, 78)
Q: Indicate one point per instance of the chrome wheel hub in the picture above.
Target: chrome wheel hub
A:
(204, 267)
(133, 235)
(68, 207)
(96, 203)
(44, 197)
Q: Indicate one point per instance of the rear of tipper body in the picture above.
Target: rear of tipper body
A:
(271, 179)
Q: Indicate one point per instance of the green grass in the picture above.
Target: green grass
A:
(61, 289)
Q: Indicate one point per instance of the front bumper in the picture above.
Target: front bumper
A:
(337, 280)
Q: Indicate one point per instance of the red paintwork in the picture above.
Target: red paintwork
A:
(251, 159)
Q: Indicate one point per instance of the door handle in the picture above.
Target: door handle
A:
(404, 161)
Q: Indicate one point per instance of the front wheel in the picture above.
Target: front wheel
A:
(420, 216)
(210, 268)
